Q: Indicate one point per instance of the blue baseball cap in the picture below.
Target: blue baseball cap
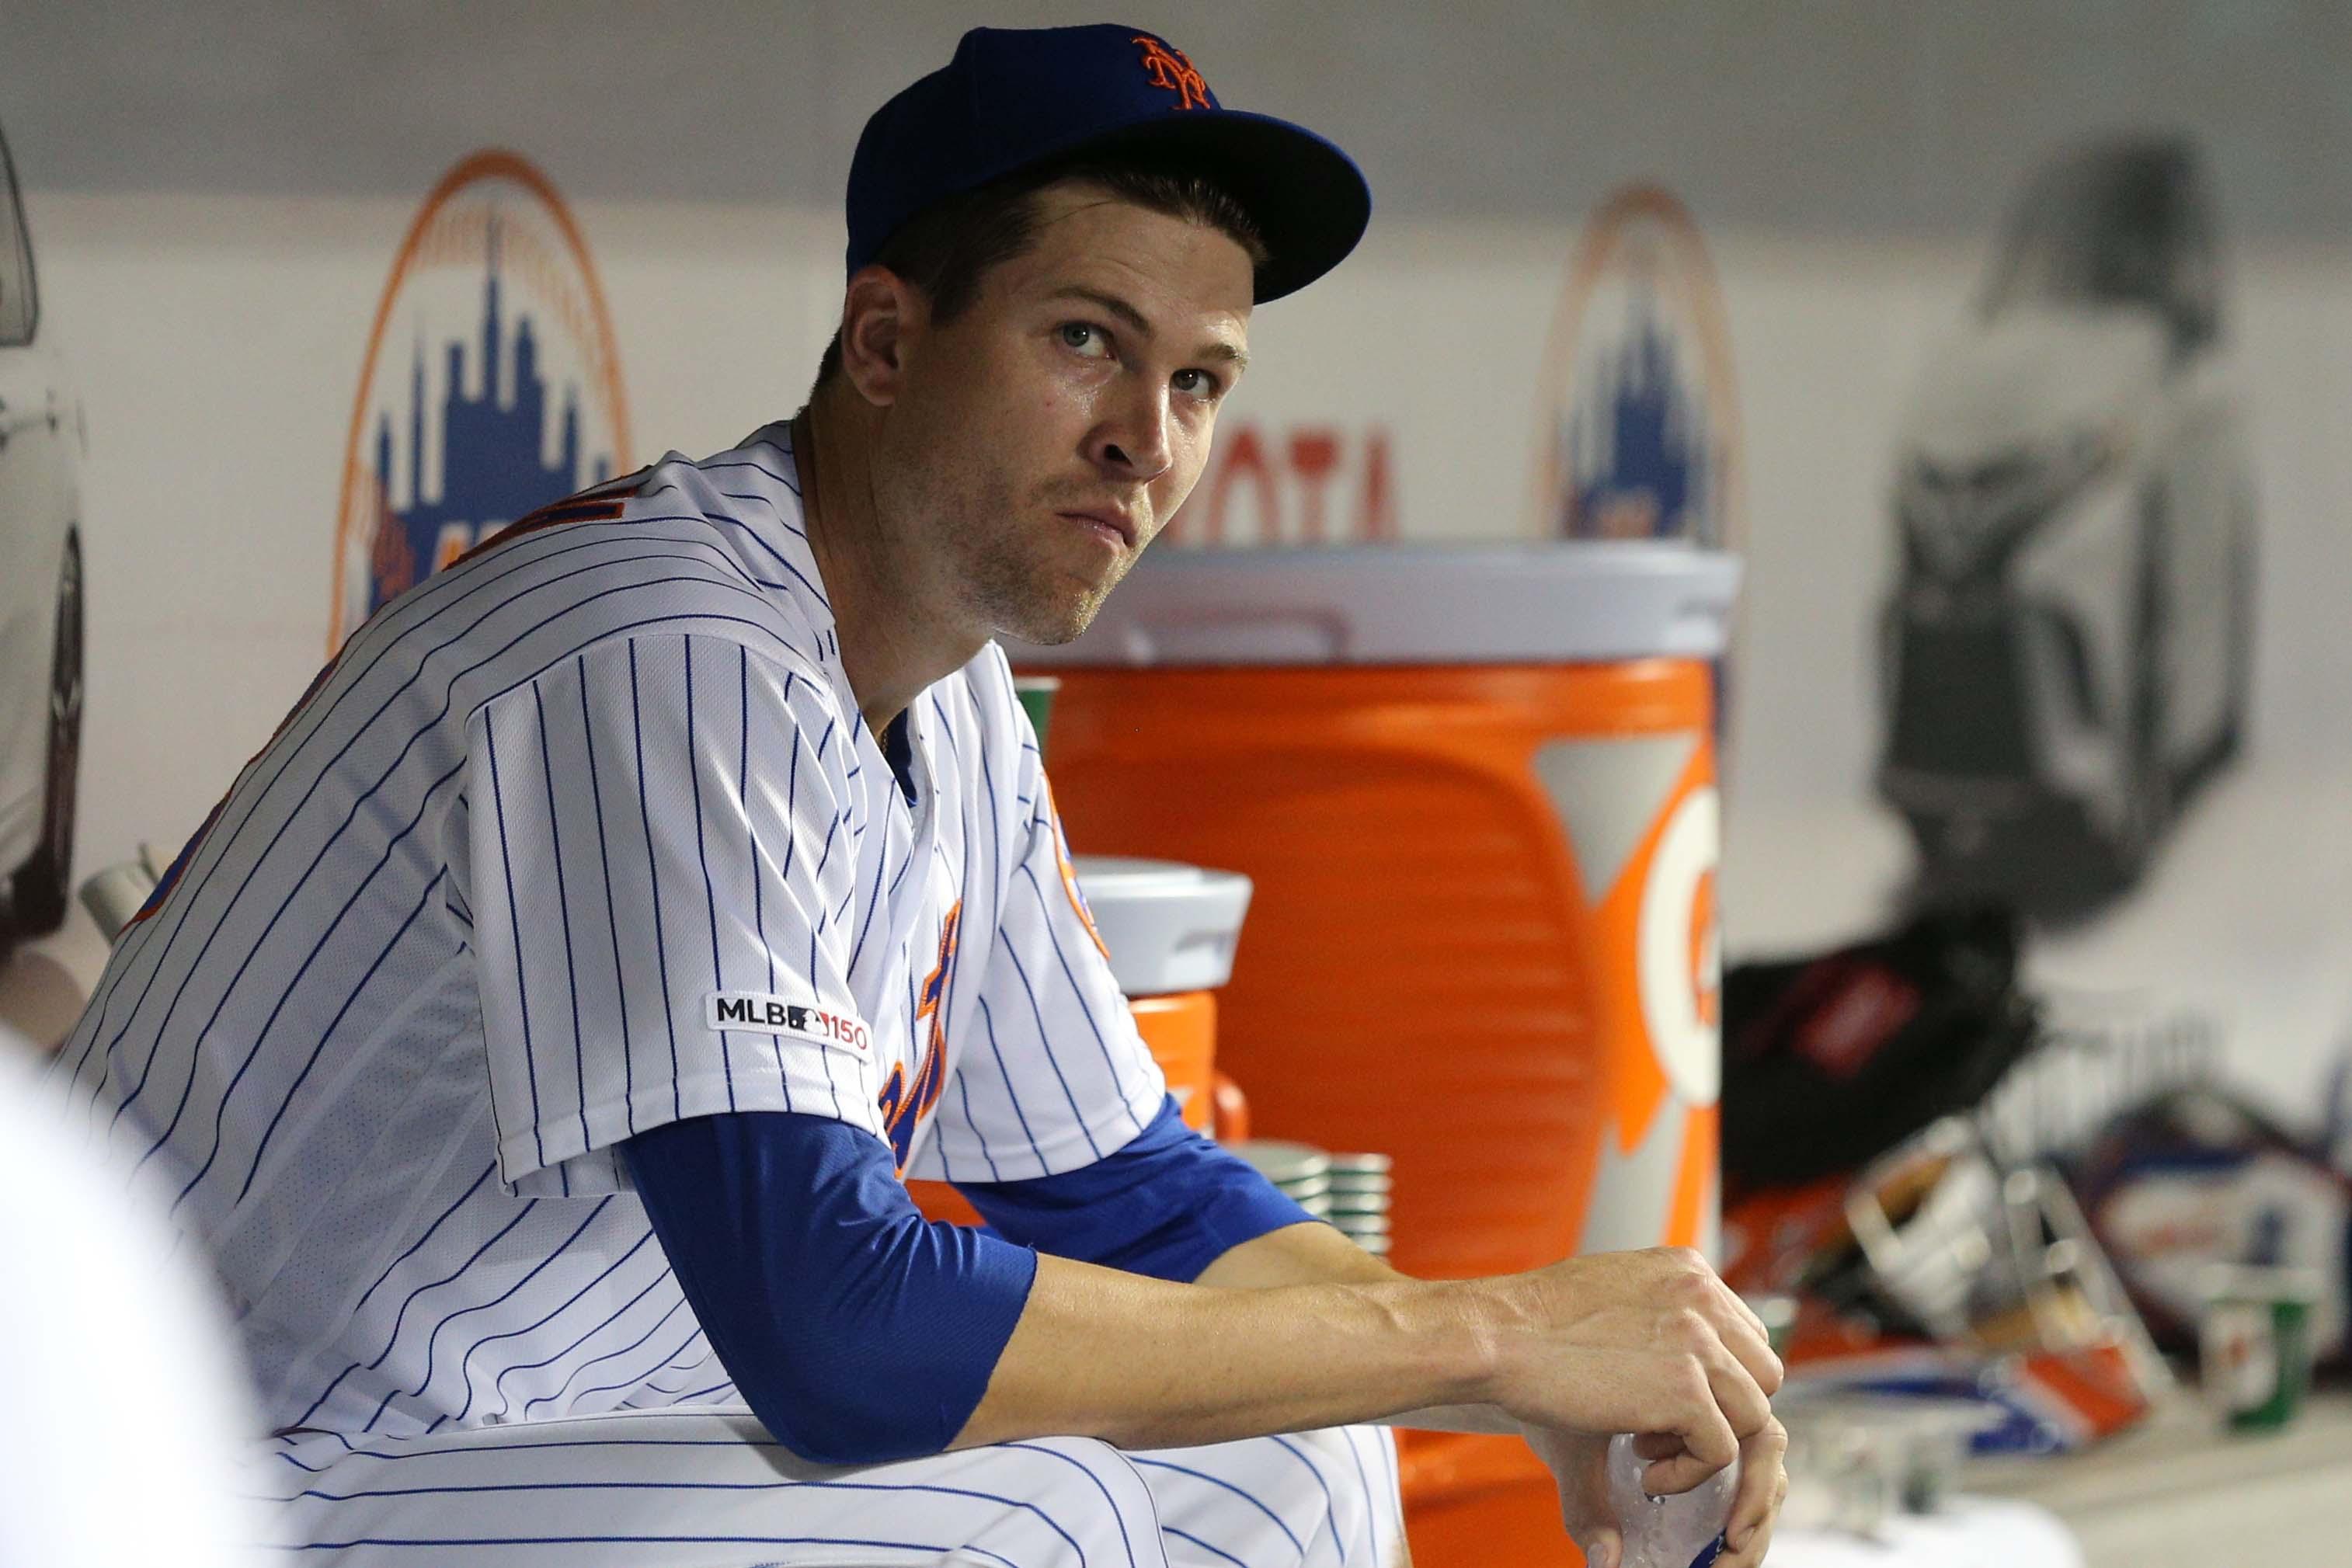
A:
(1014, 99)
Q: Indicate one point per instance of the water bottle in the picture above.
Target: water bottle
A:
(1685, 1530)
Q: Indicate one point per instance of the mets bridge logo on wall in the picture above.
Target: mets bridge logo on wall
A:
(491, 385)
(1638, 426)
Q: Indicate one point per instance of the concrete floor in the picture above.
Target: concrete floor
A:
(2180, 1493)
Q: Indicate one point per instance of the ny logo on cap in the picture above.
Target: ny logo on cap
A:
(1166, 66)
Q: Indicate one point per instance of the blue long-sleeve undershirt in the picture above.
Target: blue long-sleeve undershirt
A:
(1168, 1204)
(859, 1332)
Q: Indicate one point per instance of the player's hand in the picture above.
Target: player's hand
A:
(1756, 1507)
(1579, 1463)
(1635, 1341)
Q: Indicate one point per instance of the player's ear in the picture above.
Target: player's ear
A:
(879, 316)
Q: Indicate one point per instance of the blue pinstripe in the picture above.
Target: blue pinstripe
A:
(400, 1317)
(221, 1113)
(988, 1023)
(1052, 1056)
(432, 1338)
(1188, 1536)
(505, 857)
(955, 977)
(499, 1383)
(988, 1020)
(550, 1316)
(562, 912)
(633, 1382)
(1331, 1510)
(710, 894)
(784, 877)
(653, 867)
(612, 918)
(1079, 992)
(697, 1365)
(963, 1088)
(881, 865)
(1364, 1483)
(1117, 1512)
(368, 1294)
(932, 1488)
(440, 1542)
(779, 479)
(353, 1450)
(262, 1144)
(529, 1404)
(1142, 1463)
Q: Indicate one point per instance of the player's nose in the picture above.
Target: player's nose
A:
(1137, 442)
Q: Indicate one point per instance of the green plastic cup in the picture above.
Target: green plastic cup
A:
(2255, 1343)
(1037, 695)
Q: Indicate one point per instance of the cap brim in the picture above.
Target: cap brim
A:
(1309, 201)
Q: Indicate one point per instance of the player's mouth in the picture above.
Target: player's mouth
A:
(1113, 528)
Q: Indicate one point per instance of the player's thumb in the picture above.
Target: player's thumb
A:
(1602, 1546)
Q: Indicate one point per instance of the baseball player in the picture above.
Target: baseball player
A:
(536, 1035)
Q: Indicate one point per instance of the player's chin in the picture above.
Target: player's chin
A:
(1053, 606)
(1052, 623)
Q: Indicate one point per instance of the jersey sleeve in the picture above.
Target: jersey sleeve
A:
(1052, 1075)
(660, 861)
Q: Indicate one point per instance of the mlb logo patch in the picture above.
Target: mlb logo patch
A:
(764, 1014)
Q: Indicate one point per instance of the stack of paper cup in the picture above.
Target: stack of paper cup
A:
(1359, 1200)
(1351, 1191)
(1301, 1171)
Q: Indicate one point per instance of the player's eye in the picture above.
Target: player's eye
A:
(1198, 384)
(1085, 337)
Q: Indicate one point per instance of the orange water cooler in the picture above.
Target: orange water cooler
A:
(1475, 791)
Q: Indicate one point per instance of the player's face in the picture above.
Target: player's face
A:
(1047, 433)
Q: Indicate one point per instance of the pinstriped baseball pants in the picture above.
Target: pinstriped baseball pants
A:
(706, 1487)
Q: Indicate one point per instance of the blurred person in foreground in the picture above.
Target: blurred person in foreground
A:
(539, 1031)
(126, 1403)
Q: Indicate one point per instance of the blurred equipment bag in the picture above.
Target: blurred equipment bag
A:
(1939, 1271)
(1830, 1061)
(2194, 1179)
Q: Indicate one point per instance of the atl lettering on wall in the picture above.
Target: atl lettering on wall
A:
(1304, 483)
(491, 383)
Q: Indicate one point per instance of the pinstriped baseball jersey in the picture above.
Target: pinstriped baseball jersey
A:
(582, 836)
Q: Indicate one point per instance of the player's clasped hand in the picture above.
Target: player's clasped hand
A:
(1652, 1342)
(1578, 1461)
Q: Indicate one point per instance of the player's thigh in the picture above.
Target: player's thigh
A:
(710, 1490)
(1308, 1499)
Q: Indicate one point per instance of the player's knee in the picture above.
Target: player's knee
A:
(1354, 1481)
(1086, 1505)
(1305, 1497)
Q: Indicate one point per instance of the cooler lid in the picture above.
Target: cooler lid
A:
(1566, 602)
(1169, 927)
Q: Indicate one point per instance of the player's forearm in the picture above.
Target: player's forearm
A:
(1318, 1254)
(1144, 1363)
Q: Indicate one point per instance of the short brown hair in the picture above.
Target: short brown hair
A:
(948, 250)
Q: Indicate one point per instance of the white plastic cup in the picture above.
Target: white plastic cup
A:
(1684, 1531)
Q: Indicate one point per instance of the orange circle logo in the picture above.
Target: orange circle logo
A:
(1638, 434)
(507, 395)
